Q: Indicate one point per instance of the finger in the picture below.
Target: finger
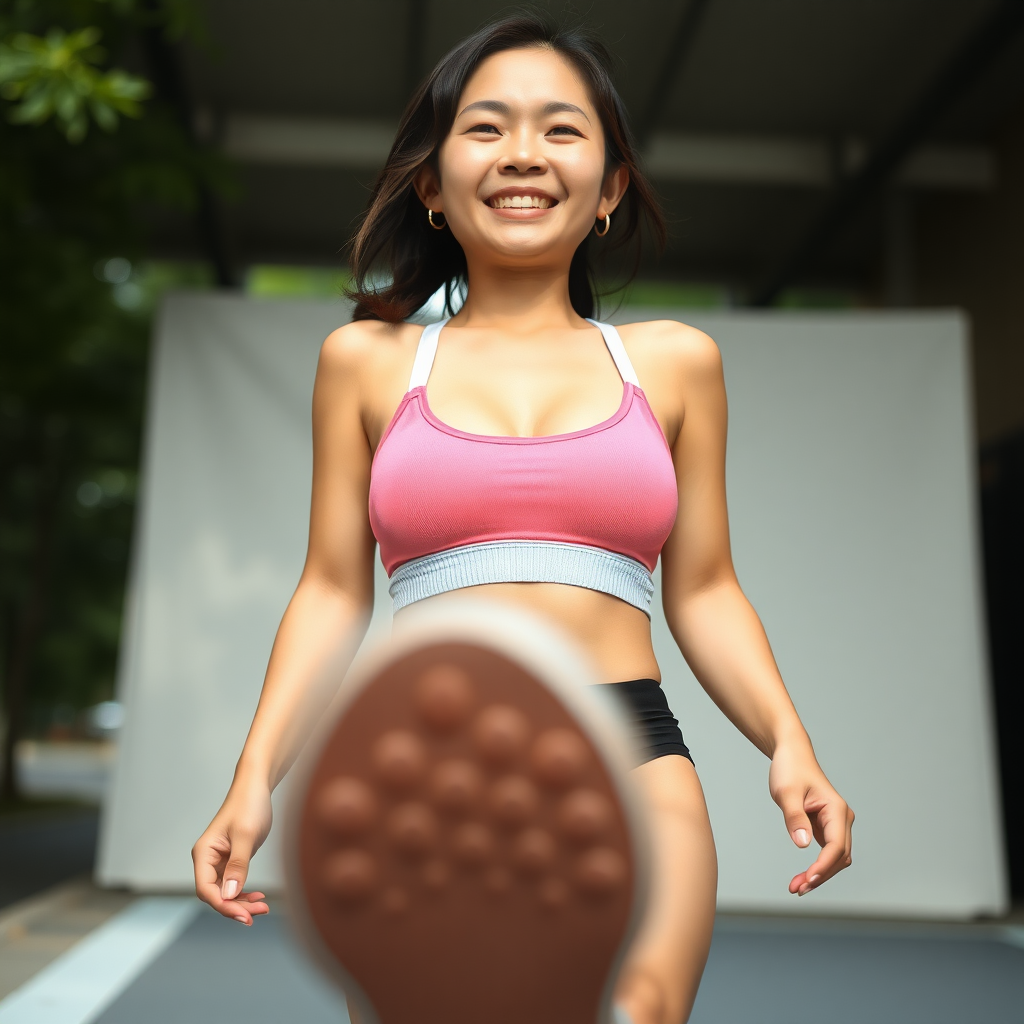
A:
(244, 911)
(832, 820)
(237, 867)
(254, 902)
(849, 839)
(791, 801)
(214, 856)
(209, 856)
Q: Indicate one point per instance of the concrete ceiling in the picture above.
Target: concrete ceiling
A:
(302, 93)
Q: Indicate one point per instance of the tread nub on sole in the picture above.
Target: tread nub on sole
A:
(462, 848)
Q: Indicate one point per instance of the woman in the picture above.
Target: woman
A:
(513, 160)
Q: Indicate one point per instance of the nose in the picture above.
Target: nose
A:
(522, 155)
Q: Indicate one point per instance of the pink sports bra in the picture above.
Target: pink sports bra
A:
(589, 508)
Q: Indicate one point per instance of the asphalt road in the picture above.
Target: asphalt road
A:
(40, 848)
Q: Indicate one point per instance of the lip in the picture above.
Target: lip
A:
(520, 213)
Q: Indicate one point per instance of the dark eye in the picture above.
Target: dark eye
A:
(486, 128)
(566, 129)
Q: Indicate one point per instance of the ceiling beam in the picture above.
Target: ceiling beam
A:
(767, 160)
(738, 159)
(675, 57)
(163, 58)
(308, 141)
(414, 39)
(952, 82)
(699, 158)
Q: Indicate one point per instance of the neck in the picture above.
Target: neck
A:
(518, 301)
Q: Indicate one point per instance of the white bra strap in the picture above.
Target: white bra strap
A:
(618, 352)
(425, 352)
(427, 349)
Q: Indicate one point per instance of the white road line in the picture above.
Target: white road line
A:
(84, 981)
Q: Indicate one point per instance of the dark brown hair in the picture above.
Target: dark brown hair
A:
(398, 261)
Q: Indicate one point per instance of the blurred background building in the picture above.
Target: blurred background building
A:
(810, 154)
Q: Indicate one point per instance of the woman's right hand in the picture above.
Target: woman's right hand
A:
(222, 853)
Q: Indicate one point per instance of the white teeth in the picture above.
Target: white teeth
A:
(521, 202)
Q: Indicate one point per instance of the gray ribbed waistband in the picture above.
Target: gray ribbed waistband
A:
(523, 561)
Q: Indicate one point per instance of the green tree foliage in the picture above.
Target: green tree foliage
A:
(73, 335)
(56, 76)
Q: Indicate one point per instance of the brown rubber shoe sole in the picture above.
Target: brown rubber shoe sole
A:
(465, 847)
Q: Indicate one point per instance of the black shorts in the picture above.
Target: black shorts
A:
(656, 729)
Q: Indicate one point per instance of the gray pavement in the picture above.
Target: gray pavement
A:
(765, 972)
(761, 971)
(37, 931)
(40, 848)
(219, 972)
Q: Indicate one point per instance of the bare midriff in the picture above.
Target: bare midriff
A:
(615, 636)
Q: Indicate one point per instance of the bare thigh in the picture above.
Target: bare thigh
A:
(659, 981)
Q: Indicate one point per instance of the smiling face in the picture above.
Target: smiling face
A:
(522, 171)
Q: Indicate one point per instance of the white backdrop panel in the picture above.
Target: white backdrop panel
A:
(852, 509)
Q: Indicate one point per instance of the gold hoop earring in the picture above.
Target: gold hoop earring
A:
(607, 226)
(436, 227)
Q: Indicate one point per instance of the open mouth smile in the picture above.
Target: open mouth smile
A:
(520, 202)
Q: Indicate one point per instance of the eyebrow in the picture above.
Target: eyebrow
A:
(498, 107)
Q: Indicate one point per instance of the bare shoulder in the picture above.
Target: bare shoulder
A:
(672, 346)
(353, 345)
(367, 351)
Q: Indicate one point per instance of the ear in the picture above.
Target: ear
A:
(615, 184)
(428, 188)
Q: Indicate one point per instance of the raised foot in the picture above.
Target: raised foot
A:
(463, 848)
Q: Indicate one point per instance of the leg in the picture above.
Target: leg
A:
(659, 981)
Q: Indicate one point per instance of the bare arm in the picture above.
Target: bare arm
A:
(325, 620)
(717, 629)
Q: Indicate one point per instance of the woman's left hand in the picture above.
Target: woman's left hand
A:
(811, 807)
